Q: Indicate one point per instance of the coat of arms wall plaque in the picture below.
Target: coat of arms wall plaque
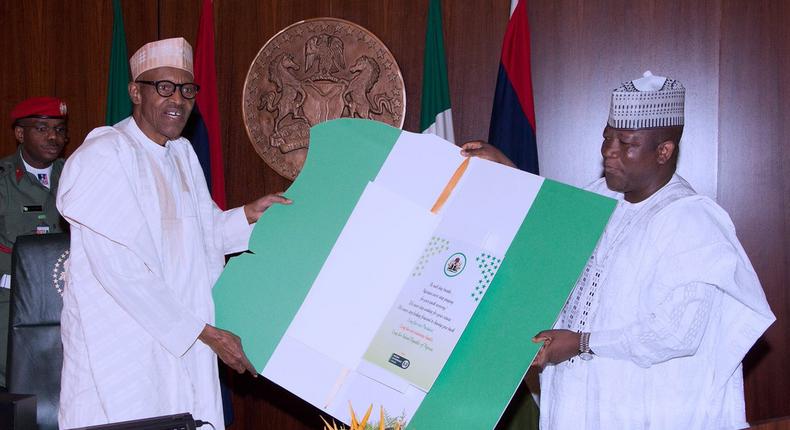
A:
(313, 71)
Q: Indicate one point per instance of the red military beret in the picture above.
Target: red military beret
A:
(40, 107)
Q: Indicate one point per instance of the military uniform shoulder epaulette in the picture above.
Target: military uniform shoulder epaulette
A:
(7, 166)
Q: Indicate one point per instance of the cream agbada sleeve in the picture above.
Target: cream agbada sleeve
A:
(231, 231)
(97, 195)
(694, 268)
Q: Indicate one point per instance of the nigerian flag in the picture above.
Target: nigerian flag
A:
(435, 114)
(118, 104)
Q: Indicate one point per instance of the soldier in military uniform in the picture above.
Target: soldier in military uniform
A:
(28, 186)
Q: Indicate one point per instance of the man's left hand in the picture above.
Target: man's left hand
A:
(558, 346)
(486, 151)
(228, 348)
(254, 209)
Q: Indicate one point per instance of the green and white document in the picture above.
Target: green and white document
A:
(430, 313)
(407, 276)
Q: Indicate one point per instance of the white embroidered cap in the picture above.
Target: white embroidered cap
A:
(648, 102)
(175, 52)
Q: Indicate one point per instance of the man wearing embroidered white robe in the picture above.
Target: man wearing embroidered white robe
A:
(147, 245)
(653, 335)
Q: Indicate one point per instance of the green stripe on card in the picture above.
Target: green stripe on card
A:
(344, 156)
(537, 274)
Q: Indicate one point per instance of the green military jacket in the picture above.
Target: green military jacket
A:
(26, 206)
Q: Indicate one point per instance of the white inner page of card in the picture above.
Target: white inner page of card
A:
(320, 357)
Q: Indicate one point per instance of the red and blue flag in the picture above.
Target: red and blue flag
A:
(203, 129)
(513, 115)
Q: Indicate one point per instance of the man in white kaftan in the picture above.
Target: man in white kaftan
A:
(147, 245)
(653, 335)
(673, 305)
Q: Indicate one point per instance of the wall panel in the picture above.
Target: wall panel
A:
(48, 48)
(473, 40)
(581, 50)
(52, 48)
(754, 182)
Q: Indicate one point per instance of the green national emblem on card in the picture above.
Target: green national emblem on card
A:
(455, 264)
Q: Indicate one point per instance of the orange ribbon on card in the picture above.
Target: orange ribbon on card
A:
(448, 189)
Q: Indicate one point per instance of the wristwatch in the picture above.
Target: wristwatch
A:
(585, 353)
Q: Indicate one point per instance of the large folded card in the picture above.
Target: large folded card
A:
(407, 276)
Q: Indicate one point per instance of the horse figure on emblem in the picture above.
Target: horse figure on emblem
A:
(360, 102)
(288, 95)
